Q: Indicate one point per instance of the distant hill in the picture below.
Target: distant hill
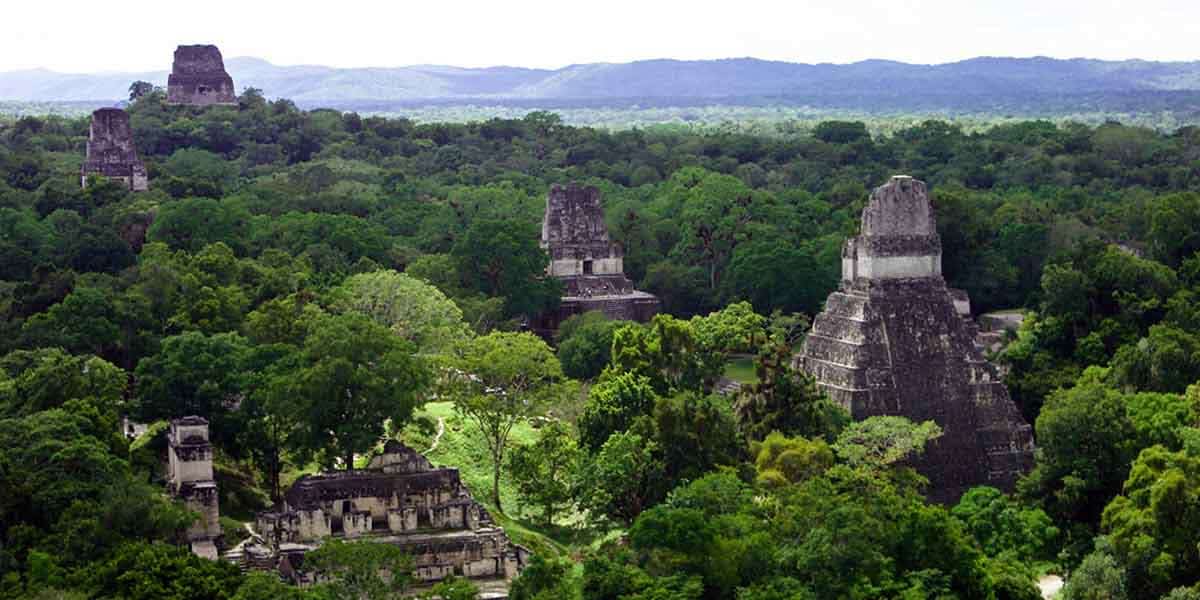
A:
(866, 84)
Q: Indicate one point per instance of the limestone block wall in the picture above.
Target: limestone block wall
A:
(203, 500)
(402, 520)
(356, 524)
(570, 267)
(314, 524)
(190, 466)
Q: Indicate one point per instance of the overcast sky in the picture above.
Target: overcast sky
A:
(136, 35)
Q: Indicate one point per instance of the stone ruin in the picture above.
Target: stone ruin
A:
(590, 265)
(401, 499)
(198, 77)
(190, 478)
(110, 151)
(893, 340)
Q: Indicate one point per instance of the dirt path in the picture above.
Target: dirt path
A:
(437, 438)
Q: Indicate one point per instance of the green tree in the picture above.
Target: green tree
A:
(1002, 526)
(194, 374)
(359, 569)
(503, 379)
(585, 344)
(544, 579)
(543, 471)
(1086, 443)
(414, 310)
(1098, 577)
(612, 405)
(502, 258)
(1166, 360)
(86, 321)
(1150, 523)
(884, 441)
(265, 585)
(622, 479)
(782, 461)
(42, 379)
(695, 433)
(353, 375)
(139, 89)
(150, 571)
(452, 588)
(785, 399)
(193, 223)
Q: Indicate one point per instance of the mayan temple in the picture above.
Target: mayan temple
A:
(891, 341)
(400, 499)
(198, 77)
(590, 265)
(110, 151)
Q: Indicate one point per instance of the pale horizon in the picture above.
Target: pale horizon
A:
(142, 35)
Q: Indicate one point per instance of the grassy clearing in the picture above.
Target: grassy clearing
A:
(741, 369)
(462, 447)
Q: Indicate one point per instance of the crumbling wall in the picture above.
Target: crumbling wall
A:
(590, 265)
(111, 152)
(198, 77)
(401, 499)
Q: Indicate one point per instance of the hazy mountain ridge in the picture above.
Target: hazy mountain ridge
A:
(661, 78)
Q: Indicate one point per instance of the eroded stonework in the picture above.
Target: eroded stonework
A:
(110, 151)
(590, 265)
(190, 478)
(401, 499)
(893, 340)
(198, 77)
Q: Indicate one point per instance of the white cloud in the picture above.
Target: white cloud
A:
(132, 35)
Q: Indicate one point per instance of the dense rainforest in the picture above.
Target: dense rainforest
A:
(306, 280)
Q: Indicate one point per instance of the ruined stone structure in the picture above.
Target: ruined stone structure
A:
(893, 340)
(110, 151)
(590, 265)
(190, 478)
(198, 77)
(402, 499)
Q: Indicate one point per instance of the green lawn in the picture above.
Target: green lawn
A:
(462, 448)
(741, 369)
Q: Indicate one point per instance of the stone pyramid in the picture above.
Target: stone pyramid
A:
(891, 342)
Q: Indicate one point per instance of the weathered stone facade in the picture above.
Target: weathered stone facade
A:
(198, 77)
(401, 499)
(110, 151)
(893, 340)
(590, 265)
(190, 478)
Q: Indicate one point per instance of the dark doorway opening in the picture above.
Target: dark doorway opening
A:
(587, 267)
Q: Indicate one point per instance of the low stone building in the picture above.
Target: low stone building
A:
(893, 340)
(198, 77)
(190, 478)
(590, 265)
(110, 151)
(401, 499)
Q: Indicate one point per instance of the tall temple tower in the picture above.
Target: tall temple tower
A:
(110, 151)
(198, 77)
(588, 263)
(190, 478)
(891, 341)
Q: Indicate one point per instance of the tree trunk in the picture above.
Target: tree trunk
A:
(496, 482)
(350, 461)
(275, 475)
